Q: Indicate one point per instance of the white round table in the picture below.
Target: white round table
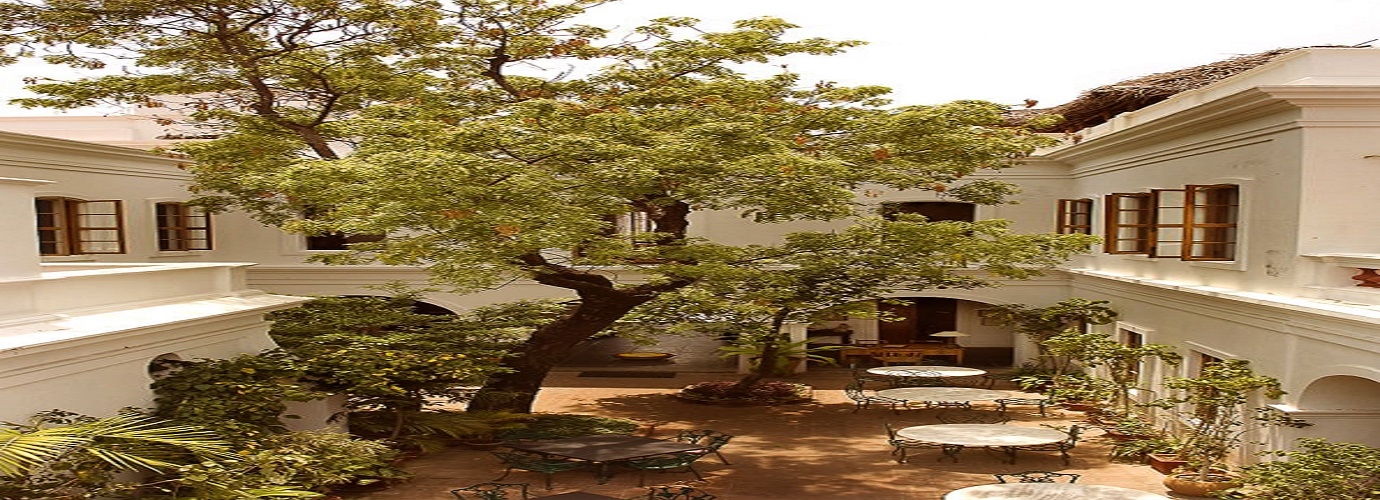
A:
(943, 394)
(926, 371)
(1049, 491)
(953, 438)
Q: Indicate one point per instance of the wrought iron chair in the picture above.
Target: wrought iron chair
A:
(493, 491)
(677, 492)
(1037, 476)
(1041, 403)
(535, 463)
(668, 462)
(1062, 447)
(861, 399)
(899, 445)
(708, 438)
(970, 416)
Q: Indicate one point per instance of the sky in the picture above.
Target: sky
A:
(1005, 51)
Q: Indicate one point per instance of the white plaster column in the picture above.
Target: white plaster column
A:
(18, 229)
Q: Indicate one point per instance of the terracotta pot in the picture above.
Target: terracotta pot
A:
(1187, 484)
(1165, 463)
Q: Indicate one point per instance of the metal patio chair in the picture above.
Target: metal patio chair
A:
(668, 462)
(677, 492)
(492, 491)
(535, 463)
(711, 439)
(1037, 476)
(861, 399)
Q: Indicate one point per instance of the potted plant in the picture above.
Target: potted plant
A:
(786, 357)
(1141, 449)
(1078, 392)
(1041, 323)
(1120, 362)
(1215, 400)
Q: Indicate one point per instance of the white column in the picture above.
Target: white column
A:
(18, 229)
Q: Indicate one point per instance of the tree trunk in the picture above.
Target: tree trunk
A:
(515, 391)
(766, 362)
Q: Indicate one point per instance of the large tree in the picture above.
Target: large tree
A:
(409, 120)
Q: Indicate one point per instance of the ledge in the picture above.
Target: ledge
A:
(1357, 260)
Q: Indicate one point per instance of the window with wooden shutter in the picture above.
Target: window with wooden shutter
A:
(1129, 219)
(1075, 216)
(1210, 222)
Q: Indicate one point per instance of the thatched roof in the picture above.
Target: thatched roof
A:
(1102, 103)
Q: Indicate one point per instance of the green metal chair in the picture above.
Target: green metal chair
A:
(668, 462)
(708, 438)
(493, 491)
(1037, 476)
(677, 492)
(535, 463)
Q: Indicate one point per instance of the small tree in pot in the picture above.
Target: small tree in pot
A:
(1216, 400)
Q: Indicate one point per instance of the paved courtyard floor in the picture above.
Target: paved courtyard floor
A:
(814, 450)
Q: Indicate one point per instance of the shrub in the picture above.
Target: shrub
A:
(1317, 470)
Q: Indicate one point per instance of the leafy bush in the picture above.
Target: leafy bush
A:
(311, 460)
(1317, 470)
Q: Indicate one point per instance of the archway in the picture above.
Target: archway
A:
(1343, 408)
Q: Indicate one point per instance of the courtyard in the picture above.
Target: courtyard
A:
(820, 449)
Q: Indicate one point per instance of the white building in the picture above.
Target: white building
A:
(1237, 216)
(78, 332)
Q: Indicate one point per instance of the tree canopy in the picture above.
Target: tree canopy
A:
(423, 122)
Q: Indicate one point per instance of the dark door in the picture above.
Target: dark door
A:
(923, 316)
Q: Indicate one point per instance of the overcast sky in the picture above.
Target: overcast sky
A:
(932, 51)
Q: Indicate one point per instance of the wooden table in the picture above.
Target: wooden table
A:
(942, 396)
(926, 371)
(953, 438)
(603, 449)
(913, 353)
(1049, 491)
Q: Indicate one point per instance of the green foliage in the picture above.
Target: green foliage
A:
(312, 461)
(563, 425)
(1317, 470)
(63, 455)
(1135, 450)
(784, 353)
(430, 430)
(1040, 323)
(386, 357)
(242, 397)
(1082, 389)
